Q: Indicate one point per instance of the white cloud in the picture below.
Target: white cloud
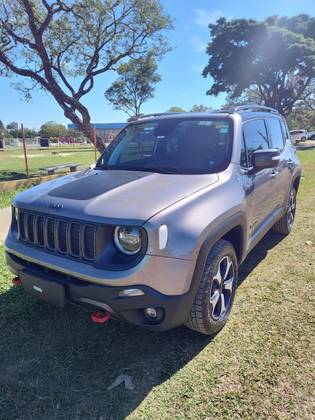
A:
(204, 17)
(198, 44)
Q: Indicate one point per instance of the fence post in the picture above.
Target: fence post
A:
(24, 149)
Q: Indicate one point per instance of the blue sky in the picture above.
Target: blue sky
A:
(182, 83)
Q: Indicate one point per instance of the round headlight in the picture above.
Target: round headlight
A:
(128, 239)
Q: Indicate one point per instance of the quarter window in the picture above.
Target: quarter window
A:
(255, 138)
(276, 133)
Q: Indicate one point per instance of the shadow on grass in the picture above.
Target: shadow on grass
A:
(57, 364)
(258, 254)
(11, 175)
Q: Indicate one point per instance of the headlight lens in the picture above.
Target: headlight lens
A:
(128, 239)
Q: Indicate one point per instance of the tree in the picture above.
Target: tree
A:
(52, 129)
(273, 60)
(61, 46)
(1, 125)
(135, 85)
(17, 133)
(175, 109)
(199, 108)
(301, 118)
(13, 126)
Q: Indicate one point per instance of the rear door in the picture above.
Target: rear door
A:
(256, 183)
(281, 175)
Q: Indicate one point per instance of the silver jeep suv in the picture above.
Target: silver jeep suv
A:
(154, 234)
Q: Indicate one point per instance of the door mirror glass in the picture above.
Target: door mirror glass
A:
(265, 158)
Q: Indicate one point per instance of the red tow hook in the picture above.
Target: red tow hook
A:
(16, 281)
(100, 317)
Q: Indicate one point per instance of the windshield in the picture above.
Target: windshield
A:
(174, 145)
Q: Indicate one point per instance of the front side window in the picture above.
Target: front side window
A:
(276, 133)
(255, 138)
(174, 145)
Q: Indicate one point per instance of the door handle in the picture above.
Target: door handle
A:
(290, 164)
(273, 174)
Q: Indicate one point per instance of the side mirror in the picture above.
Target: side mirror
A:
(265, 158)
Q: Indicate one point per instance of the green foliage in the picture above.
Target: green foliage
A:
(1, 125)
(13, 126)
(274, 60)
(62, 46)
(135, 85)
(52, 129)
(175, 109)
(302, 118)
(17, 134)
(199, 108)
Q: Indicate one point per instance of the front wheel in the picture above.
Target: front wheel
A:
(214, 299)
(285, 224)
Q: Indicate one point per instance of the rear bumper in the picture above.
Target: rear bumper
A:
(173, 309)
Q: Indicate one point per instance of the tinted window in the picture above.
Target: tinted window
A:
(192, 145)
(275, 133)
(255, 137)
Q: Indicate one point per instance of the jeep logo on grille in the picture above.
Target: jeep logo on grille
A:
(55, 206)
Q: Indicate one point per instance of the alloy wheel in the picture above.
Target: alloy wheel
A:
(291, 210)
(222, 286)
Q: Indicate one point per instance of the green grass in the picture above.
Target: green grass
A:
(12, 164)
(56, 364)
(7, 197)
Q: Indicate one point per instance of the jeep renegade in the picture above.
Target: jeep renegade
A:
(154, 234)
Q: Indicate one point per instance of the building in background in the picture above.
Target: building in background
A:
(104, 131)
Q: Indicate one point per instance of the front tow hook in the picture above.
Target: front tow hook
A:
(100, 317)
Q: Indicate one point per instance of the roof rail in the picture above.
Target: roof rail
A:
(254, 107)
(157, 114)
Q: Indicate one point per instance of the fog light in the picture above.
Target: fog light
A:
(150, 312)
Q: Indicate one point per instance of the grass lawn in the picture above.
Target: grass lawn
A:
(56, 364)
(7, 197)
(12, 164)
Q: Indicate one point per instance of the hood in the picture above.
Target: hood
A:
(111, 196)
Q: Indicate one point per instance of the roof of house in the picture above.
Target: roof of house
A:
(103, 126)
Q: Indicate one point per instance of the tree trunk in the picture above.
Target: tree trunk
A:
(83, 124)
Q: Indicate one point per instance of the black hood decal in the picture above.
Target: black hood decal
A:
(95, 184)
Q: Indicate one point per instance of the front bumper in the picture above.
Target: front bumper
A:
(169, 276)
(174, 309)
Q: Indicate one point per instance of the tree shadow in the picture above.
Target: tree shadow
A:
(11, 175)
(57, 364)
(258, 254)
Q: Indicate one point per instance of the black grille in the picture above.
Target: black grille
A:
(72, 238)
(75, 230)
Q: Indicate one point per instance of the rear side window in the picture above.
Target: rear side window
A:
(276, 133)
(255, 138)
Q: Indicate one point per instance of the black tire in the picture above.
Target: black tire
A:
(303, 139)
(205, 315)
(285, 224)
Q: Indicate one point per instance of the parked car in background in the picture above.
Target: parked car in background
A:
(298, 135)
(154, 234)
(311, 135)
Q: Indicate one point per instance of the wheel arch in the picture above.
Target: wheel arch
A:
(232, 229)
(296, 182)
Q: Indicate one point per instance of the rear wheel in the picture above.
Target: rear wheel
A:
(214, 299)
(285, 224)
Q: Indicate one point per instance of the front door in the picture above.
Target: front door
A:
(256, 183)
